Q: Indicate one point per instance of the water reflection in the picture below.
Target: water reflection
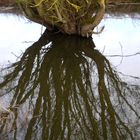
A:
(63, 88)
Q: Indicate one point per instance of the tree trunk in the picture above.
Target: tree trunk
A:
(68, 16)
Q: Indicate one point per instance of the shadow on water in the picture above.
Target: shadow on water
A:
(63, 88)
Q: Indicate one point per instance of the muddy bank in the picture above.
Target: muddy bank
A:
(123, 8)
(8, 6)
(112, 7)
(7, 2)
(11, 8)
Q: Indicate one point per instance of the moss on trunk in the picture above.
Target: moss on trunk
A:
(69, 16)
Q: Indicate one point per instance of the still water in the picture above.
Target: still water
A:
(120, 37)
(60, 87)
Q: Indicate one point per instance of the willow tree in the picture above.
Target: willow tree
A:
(68, 16)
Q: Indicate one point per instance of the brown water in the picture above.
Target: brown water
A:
(65, 87)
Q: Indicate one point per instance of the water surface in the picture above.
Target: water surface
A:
(15, 33)
(120, 37)
(65, 87)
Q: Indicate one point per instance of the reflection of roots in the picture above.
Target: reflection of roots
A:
(70, 88)
(108, 114)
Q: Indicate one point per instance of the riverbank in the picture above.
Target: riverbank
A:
(8, 6)
(123, 8)
(112, 7)
(7, 2)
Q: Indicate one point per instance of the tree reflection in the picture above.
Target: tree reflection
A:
(63, 88)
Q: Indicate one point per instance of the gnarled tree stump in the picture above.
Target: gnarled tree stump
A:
(69, 16)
